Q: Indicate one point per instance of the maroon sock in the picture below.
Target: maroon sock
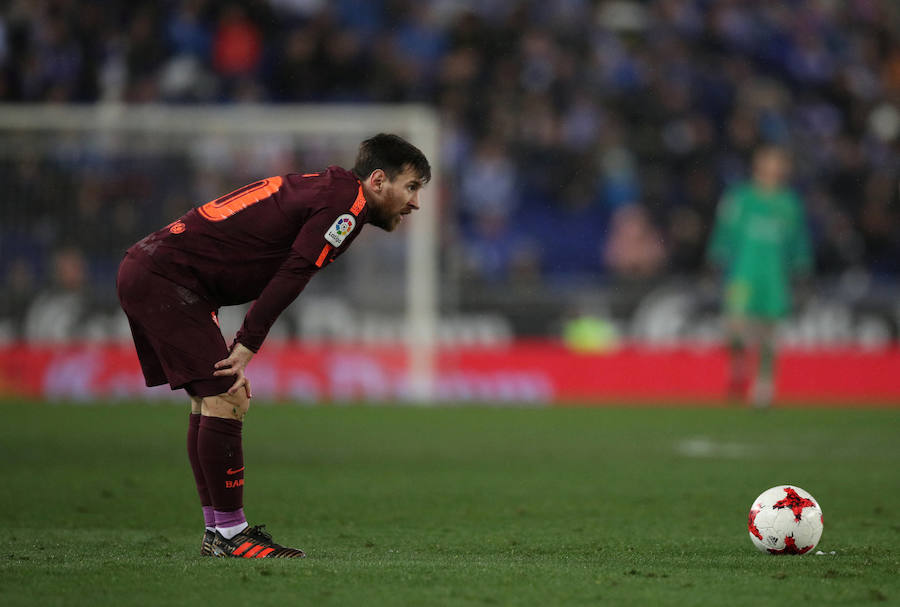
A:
(222, 460)
(209, 518)
(193, 430)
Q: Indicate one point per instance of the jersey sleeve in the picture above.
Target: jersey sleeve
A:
(331, 228)
(325, 233)
(288, 282)
(722, 239)
(800, 248)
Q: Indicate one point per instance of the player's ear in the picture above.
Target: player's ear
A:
(377, 179)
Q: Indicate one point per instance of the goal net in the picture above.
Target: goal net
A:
(94, 179)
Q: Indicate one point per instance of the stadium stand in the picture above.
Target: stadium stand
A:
(582, 140)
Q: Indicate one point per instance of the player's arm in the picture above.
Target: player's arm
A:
(284, 288)
(801, 254)
(308, 254)
(722, 239)
(287, 283)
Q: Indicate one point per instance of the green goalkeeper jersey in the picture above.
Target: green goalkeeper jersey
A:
(760, 239)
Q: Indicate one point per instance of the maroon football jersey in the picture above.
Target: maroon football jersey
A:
(261, 242)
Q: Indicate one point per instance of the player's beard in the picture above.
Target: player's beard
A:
(380, 219)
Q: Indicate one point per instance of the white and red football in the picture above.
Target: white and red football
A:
(785, 520)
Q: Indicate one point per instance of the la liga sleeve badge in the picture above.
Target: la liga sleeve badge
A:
(340, 229)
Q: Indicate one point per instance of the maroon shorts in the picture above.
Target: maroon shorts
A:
(176, 333)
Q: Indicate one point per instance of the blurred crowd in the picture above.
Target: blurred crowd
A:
(580, 138)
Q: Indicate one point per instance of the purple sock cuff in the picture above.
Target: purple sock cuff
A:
(230, 519)
(209, 516)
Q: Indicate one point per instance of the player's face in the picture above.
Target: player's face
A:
(771, 168)
(399, 197)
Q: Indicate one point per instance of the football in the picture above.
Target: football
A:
(785, 520)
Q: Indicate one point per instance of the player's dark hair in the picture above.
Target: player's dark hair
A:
(771, 148)
(392, 154)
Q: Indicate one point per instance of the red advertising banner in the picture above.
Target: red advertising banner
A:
(524, 372)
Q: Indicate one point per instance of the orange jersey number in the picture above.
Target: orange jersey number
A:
(225, 206)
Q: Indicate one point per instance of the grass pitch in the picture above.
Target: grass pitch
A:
(453, 506)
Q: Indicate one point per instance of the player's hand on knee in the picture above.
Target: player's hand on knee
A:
(234, 365)
(244, 381)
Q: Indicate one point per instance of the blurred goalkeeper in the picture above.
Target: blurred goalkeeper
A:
(260, 243)
(760, 241)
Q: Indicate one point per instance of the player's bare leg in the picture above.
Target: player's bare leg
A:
(226, 406)
(764, 383)
(738, 358)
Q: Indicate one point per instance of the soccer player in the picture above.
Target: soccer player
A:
(260, 243)
(760, 240)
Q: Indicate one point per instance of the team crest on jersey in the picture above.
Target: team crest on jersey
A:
(340, 229)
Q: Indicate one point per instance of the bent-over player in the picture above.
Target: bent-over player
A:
(260, 243)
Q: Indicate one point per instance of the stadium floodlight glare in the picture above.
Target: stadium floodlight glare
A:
(343, 125)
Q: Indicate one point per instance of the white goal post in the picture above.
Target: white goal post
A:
(348, 123)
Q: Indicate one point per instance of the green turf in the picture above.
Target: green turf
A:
(411, 506)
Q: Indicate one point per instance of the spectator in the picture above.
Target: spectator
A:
(635, 248)
(56, 314)
(18, 291)
(668, 95)
(237, 44)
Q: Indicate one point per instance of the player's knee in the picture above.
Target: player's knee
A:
(239, 403)
(228, 406)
